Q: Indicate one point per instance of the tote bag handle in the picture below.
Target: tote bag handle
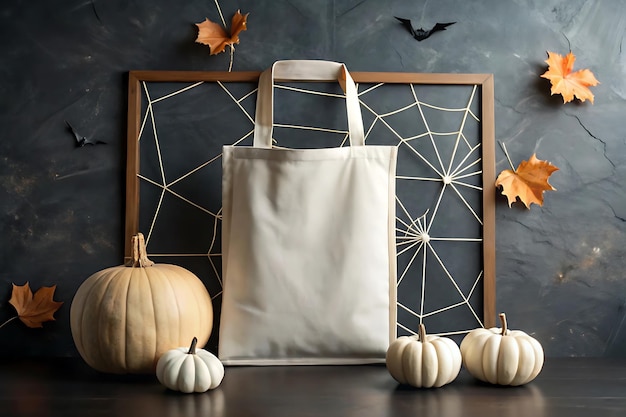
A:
(304, 70)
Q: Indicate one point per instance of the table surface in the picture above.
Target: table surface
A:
(67, 387)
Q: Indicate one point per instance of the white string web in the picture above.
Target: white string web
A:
(449, 162)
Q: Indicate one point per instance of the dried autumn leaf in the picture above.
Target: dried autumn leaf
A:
(527, 182)
(34, 309)
(214, 35)
(566, 82)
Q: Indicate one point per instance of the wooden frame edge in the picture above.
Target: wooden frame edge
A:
(489, 206)
(131, 222)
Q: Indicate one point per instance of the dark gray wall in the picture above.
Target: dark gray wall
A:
(559, 267)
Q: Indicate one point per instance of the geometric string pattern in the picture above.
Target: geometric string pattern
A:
(439, 181)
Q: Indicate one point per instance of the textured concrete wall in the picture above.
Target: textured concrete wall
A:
(559, 267)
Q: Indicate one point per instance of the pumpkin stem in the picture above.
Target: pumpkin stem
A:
(140, 255)
(422, 332)
(503, 321)
(192, 348)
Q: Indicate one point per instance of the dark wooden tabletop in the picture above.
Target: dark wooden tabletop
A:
(67, 387)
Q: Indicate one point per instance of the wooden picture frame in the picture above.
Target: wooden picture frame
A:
(483, 84)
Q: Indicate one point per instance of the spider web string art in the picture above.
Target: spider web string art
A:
(442, 127)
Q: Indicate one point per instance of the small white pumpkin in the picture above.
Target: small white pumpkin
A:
(502, 356)
(423, 361)
(189, 369)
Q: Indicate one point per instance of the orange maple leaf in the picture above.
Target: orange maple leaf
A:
(214, 35)
(566, 82)
(34, 309)
(527, 182)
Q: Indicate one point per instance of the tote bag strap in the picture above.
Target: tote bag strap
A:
(304, 70)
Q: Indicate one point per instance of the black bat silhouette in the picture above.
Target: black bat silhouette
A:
(421, 34)
(80, 139)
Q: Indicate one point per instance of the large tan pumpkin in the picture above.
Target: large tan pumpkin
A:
(125, 317)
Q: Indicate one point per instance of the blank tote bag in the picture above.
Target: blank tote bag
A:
(308, 241)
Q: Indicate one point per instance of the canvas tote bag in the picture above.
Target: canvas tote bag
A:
(308, 241)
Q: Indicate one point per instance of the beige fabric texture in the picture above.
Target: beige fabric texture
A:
(308, 242)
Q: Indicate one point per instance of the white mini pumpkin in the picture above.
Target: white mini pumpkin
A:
(423, 361)
(189, 369)
(502, 356)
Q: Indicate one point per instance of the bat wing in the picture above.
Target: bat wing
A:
(441, 26)
(407, 24)
(80, 139)
(92, 142)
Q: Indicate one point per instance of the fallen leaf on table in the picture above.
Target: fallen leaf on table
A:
(527, 182)
(566, 82)
(34, 309)
(214, 35)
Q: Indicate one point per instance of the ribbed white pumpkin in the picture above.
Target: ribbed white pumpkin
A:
(190, 369)
(423, 361)
(502, 356)
(125, 317)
